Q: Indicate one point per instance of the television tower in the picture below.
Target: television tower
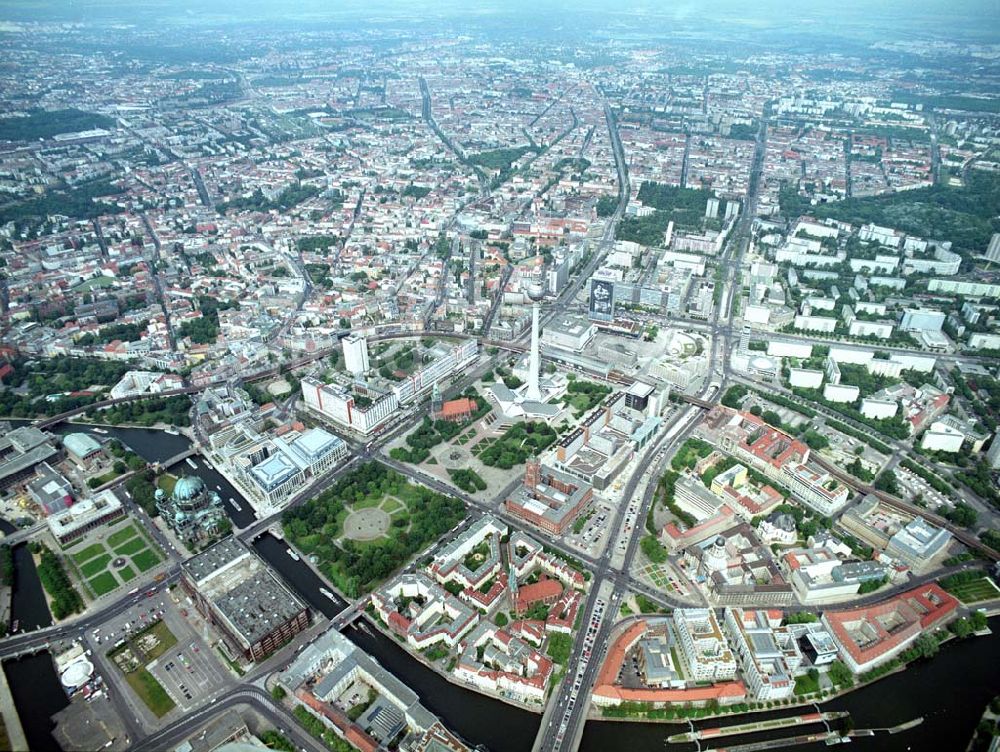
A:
(533, 392)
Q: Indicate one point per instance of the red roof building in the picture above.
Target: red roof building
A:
(874, 634)
(607, 690)
(457, 409)
(545, 591)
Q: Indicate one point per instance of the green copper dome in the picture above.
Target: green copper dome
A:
(188, 488)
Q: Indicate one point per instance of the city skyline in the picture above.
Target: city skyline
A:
(456, 376)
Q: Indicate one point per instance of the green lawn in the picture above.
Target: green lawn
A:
(88, 553)
(126, 573)
(166, 482)
(805, 685)
(107, 477)
(104, 583)
(367, 503)
(120, 536)
(678, 666)
(95, 565)
(133, 546)
(150, 691)
(90, 284)
(146, 560)
(975, 591)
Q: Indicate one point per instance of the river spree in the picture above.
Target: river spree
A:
(154, 445)
(950, 691)
(478, 719)
(298, 574)
(38, 696)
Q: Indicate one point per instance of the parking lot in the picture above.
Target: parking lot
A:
(190, 670)
(913, 485)
(593, 535)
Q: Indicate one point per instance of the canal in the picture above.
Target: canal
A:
(28, 607)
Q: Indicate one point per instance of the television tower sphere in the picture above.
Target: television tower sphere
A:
(536, 292)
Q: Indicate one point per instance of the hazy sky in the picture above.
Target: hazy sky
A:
(907, 15)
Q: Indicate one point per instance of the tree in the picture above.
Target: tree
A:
(962, 515)
(814, 439)
(926, 645)
(840, 675)
(606, 206)
(961, 628)
(887, 482)
(734, 395)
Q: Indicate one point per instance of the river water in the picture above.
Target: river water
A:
(157, 446)
(298, 574)
(949, 691)
(38, 696)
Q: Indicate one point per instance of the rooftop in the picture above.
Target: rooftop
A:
(242, 588)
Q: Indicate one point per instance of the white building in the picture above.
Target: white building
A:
(815, 488)
(917, 543)
(142, 382)
(993, 453)
(768, 653)
(825, 324)
(841, 392)
(993, 249)
(805, 377)
(279, 467)
(569, 333)
(878, 409)
(880, 329)
(338, 404)
(984, 341)
(706, 653)
(941, 436)
(789, 349)
(355, 353)
(341, 406)
(922, 319)
(964, 287)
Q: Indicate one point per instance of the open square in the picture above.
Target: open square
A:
(108, 558)
(366, 524)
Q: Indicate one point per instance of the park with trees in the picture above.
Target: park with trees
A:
(356, 567)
